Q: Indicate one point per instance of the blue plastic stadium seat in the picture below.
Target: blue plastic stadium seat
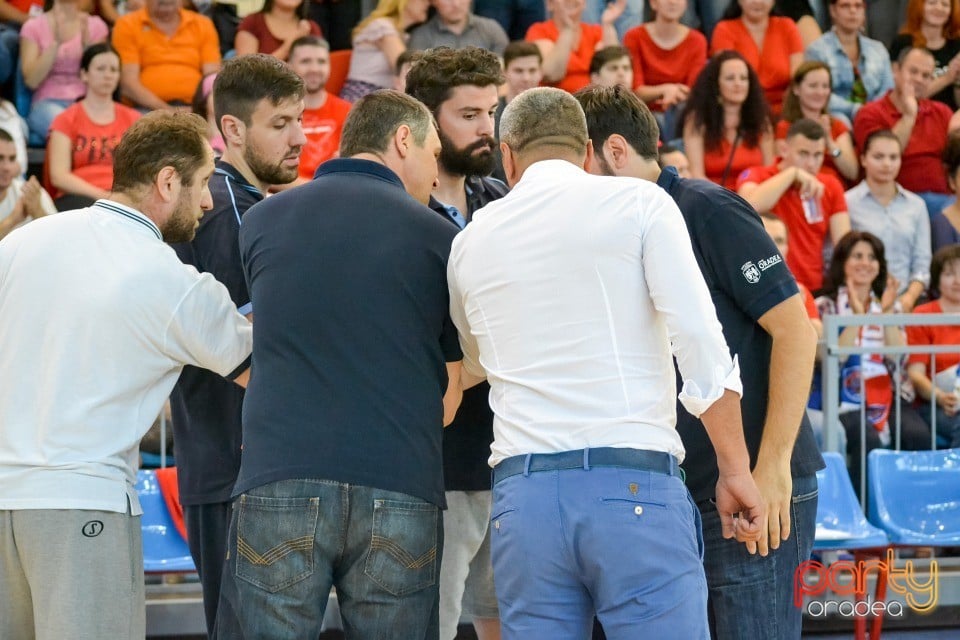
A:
(915, 496)
(164, 549)
(840, 520)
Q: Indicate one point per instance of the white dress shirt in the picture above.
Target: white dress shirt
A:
(97, 317)
(570, 293)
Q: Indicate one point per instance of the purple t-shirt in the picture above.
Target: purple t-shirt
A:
(63, 80)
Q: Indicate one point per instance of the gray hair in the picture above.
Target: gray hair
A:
(544, 116)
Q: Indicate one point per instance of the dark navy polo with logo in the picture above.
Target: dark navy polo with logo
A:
(351, 334)
(206, 407)
(466, 442)
(747, 277)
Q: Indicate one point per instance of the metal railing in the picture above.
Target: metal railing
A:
(833, 325)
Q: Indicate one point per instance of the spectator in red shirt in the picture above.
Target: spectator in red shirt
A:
(920, 123)
(273, 29)
(942, 384)
(324, 113)
(809, 202)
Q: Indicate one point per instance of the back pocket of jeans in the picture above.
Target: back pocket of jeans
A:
(403, 546)
(275, 540)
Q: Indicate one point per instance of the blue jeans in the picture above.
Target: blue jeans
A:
(631, 17)
(751, 597)
(42, 113)
(291, 541)
(948, 427)
(619, 543)
(515, 16)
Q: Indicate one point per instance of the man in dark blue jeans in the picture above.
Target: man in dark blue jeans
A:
(358, 368)
(766, 327)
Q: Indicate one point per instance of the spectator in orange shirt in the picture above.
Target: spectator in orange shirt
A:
(567, 45)
(164, 52)
(667, 58)
(772, 45)
(324, 113)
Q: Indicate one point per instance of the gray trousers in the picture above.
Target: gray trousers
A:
(70, 574)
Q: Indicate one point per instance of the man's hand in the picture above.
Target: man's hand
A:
(612, 12)
(776, 489)
(808, 184)
(949, 402)
(741, 508)
(910, 105)
(30, 198)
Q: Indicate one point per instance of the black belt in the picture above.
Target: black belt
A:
(640, 459)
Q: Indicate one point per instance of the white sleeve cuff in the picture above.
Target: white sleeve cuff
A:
(696, 401)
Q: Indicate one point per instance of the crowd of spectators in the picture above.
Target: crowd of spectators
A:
(828, 125)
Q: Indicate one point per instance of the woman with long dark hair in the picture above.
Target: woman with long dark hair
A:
(274, 28)
(727, 124)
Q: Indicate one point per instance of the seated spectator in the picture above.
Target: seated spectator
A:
(858, 284)
(921, 125)
(726, 123)
(337, 18)
(324, 114)
(771, 44)
(226, 16)
(808, 97)
(515, 16)
(893, 214)
(859, 66)
(521, 64)
(83, 137)
(165, 51)
(567, 44)
(202, 105)
(808, 201)
(672, 157)
(801, 12)
(935, 26)
(14, 124)
(778, 232)
(50, 48)
(667, 58)
(13, 14)
(20, 201)
(456, 27)
(611, 66)
(942, 385)
(945, 225)
(274, 29)
(377, 43)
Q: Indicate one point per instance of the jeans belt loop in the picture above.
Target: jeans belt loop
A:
(586, 458)
(526, 465)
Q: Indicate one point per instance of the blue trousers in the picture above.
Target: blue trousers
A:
(620, 543)
(751, 597)
(291, 541)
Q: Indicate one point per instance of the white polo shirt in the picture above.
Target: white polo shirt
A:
(97, 317)
(569, 293)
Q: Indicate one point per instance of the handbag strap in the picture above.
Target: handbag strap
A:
(733, 150)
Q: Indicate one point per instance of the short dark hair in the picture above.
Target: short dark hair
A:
(880, 134)
(246, 80)
(157, 140)
(836, 277)
(611, 110)
(943, 257)
(951, 155)
(608, 54)
(772, 217)
(93, 51)
(5, 135)
(375, 118)
(520, 49)
(809, 129)
(404, 58)
(308, 41)
(906, 51)
(436, 72)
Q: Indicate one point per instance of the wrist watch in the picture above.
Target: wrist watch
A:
(835, 152)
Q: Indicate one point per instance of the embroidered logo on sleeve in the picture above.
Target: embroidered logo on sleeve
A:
(750, 272)
(772, 261)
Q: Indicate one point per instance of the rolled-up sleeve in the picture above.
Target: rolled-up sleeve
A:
(680, 295)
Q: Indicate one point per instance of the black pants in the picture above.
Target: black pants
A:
(207, 526)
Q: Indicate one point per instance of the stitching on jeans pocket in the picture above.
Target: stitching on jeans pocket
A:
(805, 496)
(402, 558)
(262, 560)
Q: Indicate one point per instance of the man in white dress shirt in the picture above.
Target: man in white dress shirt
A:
(98, 317)
(570, 293)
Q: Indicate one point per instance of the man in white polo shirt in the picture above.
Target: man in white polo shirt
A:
(98, 316)
(570, 293)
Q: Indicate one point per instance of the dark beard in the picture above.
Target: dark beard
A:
(269, 174)
(463, 162)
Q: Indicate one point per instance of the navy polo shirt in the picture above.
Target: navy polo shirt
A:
(348, 274)
(206, 408)
(466, 441)
(746, 277)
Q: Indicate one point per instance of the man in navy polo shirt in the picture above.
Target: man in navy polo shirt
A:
(460, 87)
(357, 371)
(765, 325)
(258, 102)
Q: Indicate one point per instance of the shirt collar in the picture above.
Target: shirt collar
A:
(132, 216)
(227, 169)
(355, 165)
(668, 177)
(547, 167)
